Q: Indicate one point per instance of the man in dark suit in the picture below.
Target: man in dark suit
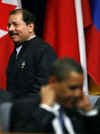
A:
(62, 108)
(30, 63)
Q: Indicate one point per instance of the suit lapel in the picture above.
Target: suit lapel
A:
(21, 53)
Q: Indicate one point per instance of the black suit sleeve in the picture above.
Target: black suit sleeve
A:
(27, 116)
(43, 120)
(93, 123)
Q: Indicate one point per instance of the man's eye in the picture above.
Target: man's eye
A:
(8, 25)
(75, 87)
(15, 24)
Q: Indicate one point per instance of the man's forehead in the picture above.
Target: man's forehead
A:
(15, 17)
(74, 79)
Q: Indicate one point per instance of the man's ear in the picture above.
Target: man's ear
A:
(51, 80)
(31, 27)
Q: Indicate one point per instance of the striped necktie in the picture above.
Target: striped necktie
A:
(61, 120)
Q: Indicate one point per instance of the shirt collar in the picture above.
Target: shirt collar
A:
(32, 37)
(20, 46)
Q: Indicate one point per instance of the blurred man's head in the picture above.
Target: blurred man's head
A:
(67, 76)
(21, 24)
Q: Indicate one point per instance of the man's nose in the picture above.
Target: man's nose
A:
(11, 28)
(78, 92)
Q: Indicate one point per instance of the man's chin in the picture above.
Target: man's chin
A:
(16, 41)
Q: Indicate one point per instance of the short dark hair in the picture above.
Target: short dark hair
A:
(28, 17)
(62, 67)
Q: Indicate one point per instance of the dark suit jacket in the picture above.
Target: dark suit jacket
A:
(27, 116)
(5, 96)
(31, 69)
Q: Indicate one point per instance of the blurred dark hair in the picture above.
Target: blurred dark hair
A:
(62, 67)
